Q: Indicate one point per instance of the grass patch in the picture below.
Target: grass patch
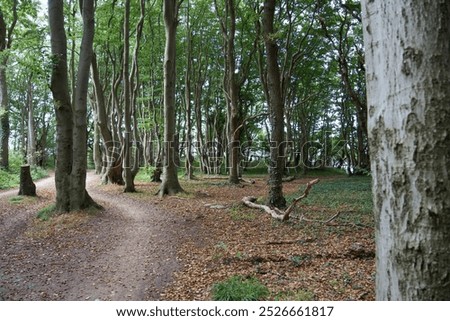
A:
(16, 199)
(239, 288)
(11, 178)
(51, 223)
(47, 212)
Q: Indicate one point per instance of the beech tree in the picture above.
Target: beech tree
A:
(170, 183)
(407, 55)
(71, 122)
(6, 32)
(276, 108)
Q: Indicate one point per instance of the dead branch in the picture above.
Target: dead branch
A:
(305, 194)
(248, 181)
(276, 212)
(249, 201)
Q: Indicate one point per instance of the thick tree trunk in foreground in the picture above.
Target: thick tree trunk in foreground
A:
(63, 108)
(27, 187)
(170, 184)
(71, 163)
(276, 108)
(408, 61)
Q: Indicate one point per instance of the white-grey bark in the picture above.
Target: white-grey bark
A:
(408, 58)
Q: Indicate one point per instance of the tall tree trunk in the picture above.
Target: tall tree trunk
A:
(170, 184)
(407, 56)
(189, 158)
(63, 108)
(5, 43)
(112, 173)
(79, 196)
(276, 108)
(97, 150)
(31, 150)
(71, 127)
(228, 26)
(4, 116)
(134, 89)
(127, 176)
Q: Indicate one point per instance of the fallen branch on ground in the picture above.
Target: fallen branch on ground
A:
(276, 212)
(249, 181)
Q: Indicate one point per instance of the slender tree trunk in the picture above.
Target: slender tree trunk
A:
(170, 184)
(134, 88)
(231, 90)
(112, 173)
(127, 177)
(276, 108)
(187, 94)
(407, 56)
(97, 150)
(4, 115)
(31, 150)
(79, 196)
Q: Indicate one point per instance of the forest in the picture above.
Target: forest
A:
(198, 150)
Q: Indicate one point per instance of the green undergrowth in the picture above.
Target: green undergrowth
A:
(10, 178)
(351, 196)
(239, 288)
(47, 212)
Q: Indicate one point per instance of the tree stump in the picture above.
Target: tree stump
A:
(27, 187)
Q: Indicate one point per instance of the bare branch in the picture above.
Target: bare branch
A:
(276, 212)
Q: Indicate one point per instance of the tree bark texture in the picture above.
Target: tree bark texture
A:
(79, 196)
(127, 176)
(5, 43)
(63, 108)
(276, 109)
(71, 126)
(408, 61)
(170, 183)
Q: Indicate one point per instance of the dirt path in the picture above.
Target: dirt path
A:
(125, 252)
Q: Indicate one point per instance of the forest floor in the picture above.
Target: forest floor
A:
(142, 247)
